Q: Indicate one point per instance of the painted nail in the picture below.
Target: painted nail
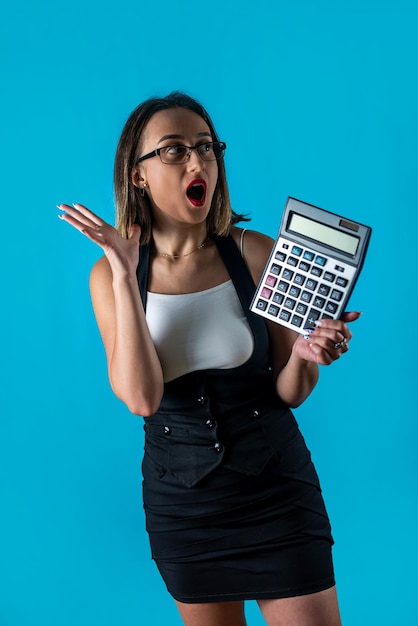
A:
(307, 333)
(318, 323)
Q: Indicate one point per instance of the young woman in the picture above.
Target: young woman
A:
(233, 504)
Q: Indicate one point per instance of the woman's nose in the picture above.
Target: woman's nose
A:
(195, 161)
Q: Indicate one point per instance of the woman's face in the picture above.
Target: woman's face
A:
(180, 192)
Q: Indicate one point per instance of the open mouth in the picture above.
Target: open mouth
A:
(196, 192)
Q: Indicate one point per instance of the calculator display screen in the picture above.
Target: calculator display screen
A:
(322, 233)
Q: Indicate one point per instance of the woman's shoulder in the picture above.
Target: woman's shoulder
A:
(252, 238)
(255, 248)
(100, 272)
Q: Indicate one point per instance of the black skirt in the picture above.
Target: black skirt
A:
(240, 537)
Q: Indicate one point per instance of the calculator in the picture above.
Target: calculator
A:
(313, 267)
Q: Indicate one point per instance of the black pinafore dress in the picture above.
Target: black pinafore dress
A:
(232, 501)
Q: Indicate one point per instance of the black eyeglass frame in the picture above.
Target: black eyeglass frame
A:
(157, 152)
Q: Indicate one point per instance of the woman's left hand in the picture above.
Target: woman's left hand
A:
(326, 341)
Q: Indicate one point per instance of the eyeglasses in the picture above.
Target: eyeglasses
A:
(175, 155)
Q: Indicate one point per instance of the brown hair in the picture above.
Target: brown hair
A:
(131, 207)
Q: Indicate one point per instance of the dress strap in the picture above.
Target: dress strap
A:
(241, 242)
(243, 282)
(142, 272)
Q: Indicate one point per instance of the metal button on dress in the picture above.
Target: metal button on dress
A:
(167, 430)
(218, 447)
(254, 414)
(201, 400)
(210, 423)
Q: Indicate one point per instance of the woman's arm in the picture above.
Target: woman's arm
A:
(135, 371)
(295, 359)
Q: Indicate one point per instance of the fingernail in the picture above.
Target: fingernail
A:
(318, 323)
(307, 333)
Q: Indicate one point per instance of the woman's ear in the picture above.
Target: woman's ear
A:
(136, 178)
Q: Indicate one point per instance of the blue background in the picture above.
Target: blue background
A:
(317, 100)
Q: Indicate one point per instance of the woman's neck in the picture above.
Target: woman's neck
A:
(176, 245)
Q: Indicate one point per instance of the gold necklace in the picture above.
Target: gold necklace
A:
(180, 256)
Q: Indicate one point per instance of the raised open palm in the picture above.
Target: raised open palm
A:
(123, 254)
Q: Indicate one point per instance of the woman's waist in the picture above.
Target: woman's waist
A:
(190, 445)
(219, 393)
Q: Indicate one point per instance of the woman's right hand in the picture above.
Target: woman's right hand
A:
(122, 254)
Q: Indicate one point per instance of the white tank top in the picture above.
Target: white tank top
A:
(196, 331)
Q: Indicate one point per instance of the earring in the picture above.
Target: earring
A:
(142, 190)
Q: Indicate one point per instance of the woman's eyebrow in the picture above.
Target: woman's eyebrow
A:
(165, 137)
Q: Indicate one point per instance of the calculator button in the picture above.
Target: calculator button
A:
(282, 286)
(275, 269)
(331, 307)
(301, 308)
(289, 303)
(311, 284)
(306, 296)
(329, 276)
(308, 255)
(305, 267)
(326, 317)
(280, 256)
(324, 289)
(316, 271)
(296, 250)
(299, 279)
(336, 295)
(339, 268)
(319, 302)
(292, 261)
(266, 293)
(320, 260)
(297, 321)
(278, 298)
(312, 317)
(273, 310)
(285, 315)
(287, 274)
(341, 282)
(294, 291)
(285, 246)
(262, 305)
(271, 280)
